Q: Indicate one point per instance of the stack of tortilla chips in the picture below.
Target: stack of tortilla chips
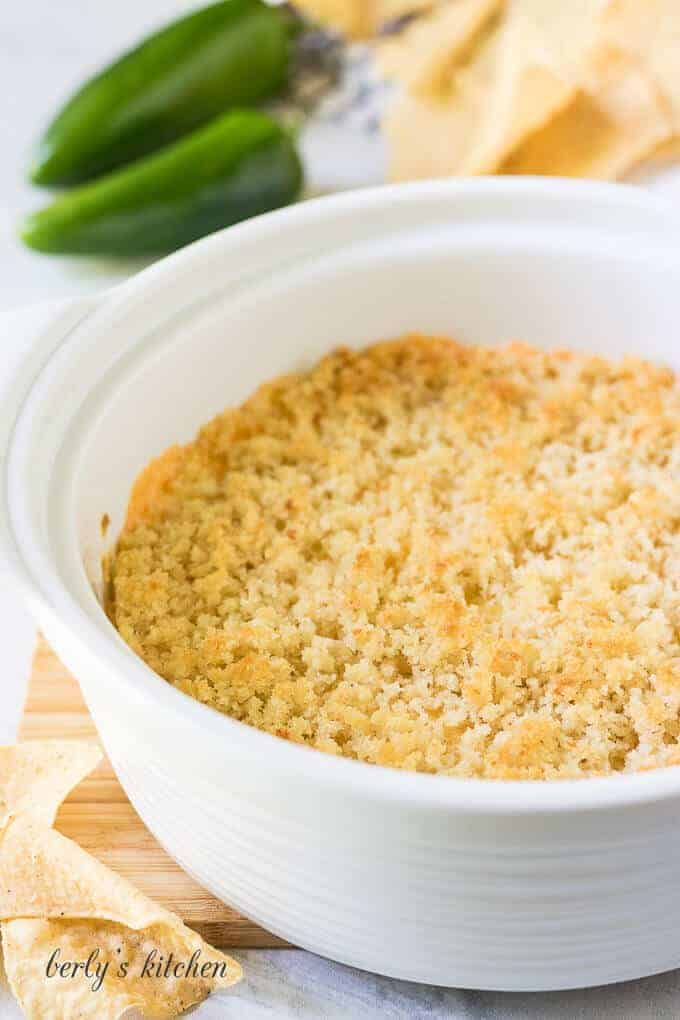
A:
(571, 88)
(59, 906)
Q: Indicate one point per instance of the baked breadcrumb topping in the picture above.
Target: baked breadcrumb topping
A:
(424, 555)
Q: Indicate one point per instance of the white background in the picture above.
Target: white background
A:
(46, 48)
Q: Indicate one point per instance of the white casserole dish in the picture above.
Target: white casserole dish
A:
(465, 883)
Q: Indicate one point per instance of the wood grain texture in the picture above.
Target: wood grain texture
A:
(99, 817)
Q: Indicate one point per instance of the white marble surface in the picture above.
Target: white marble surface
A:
(46, 47)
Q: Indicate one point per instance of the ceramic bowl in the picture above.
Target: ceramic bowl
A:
(476, 884)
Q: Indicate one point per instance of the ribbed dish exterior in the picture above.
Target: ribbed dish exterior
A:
(523, 902)
(450, 882)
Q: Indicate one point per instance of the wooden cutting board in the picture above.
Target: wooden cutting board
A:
(99, 817)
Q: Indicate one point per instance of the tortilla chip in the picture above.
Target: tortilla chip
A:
(430, 136)
(566, 32)
(426, 51)
(55, 895)
(603, 132)
(650, 31)
(661, 159)
(527, 92)
(388, 11)
(106, 993)
(36, 776)
(359, 18)
(44, 874)
(667, 152)
(347, 16)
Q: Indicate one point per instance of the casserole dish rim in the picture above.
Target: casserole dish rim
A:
(50, 598)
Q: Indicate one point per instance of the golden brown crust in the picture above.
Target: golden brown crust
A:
(151, 486)
(441, 558)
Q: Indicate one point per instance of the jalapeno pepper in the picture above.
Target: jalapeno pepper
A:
(233, 53)
(238, 166)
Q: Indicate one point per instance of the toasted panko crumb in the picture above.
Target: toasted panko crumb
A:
(441, 558)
